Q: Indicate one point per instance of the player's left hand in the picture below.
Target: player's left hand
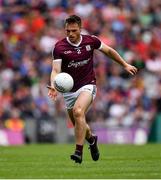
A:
(131, 69)
(52, 92)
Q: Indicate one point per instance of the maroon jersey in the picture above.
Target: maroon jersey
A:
(77, 60)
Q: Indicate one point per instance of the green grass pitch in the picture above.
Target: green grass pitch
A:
(48, 161)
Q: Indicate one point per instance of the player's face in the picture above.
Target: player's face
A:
(73, 32)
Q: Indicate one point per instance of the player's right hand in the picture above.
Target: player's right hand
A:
(52, 92)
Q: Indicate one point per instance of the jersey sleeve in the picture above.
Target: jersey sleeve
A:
(56, 53)
(96, 42)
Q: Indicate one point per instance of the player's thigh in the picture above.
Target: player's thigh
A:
(83, 101)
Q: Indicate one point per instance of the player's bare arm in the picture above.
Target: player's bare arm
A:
(56, 68)
(110, 52)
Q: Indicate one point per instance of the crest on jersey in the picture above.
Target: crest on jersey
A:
(88, 48)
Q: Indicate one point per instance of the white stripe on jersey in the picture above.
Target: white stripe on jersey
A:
(100, 46)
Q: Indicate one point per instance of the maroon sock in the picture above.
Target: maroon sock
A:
(79, 149)
(90, 140)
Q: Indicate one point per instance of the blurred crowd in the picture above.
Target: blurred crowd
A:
(30, 28)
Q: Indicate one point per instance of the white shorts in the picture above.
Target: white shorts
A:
(71, 97)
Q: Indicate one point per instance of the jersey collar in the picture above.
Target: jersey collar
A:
(73, 44)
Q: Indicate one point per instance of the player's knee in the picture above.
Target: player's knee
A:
(77, 112)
